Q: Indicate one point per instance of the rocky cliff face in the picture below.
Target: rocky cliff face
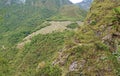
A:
(51, 4)
(10, 2)
(59, 2)
(48, 3)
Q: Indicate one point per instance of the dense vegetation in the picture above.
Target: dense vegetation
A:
(19, 21)
(73, 26)
(43, 48)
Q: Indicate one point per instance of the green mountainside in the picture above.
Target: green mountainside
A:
(19, 20)
(91, 49)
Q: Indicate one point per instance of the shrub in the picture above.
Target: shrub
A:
(4, 69)
(49, 70)
(101, 46)
(117, 10)
(93, 22)
(73, 26)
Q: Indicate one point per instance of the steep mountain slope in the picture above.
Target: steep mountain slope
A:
(50, 4)
(85, 4)
(46, 3)
(94, 50)
(70, 12)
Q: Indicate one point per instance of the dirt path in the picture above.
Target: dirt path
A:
(57, 26)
